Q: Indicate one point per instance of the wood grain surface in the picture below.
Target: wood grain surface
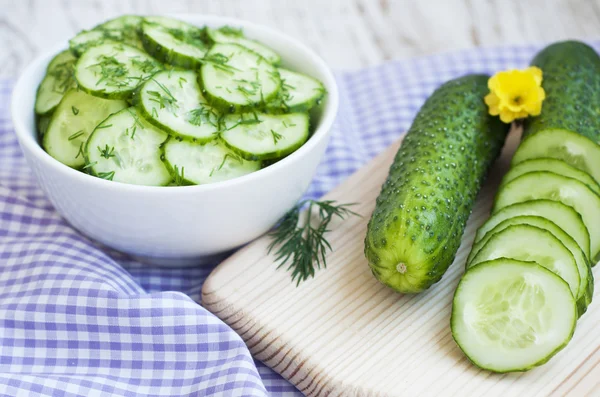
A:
(344, 334)
(348, 34)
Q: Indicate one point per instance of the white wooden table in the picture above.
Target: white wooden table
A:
(348, 34)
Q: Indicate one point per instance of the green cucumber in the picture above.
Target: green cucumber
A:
(113, 71)
(299, 93)
(421, 212)
(568, 146)
(569, 191)
(58, 80)
(571, 72)
(562, 215)
(197, 164)
(234, 78)
(173, 101)
(72, 123)
(542, 247)
(553, 165)
(174, 42)
(509, 315)
(126, 148)
(130, 27)
(227, 34)
(258, 136)
(583, 265)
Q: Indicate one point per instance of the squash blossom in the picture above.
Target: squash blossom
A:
(515, 94)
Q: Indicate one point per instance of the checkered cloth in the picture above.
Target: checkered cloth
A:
(79, 320)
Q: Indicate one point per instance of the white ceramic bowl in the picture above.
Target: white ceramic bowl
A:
(188, 221)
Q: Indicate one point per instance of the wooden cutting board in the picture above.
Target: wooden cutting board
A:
(344, 334)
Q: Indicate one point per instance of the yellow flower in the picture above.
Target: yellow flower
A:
(515, 94)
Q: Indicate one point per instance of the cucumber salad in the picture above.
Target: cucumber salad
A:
(159, 102)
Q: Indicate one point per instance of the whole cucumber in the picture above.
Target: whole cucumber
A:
(424, 204)
(571, 79)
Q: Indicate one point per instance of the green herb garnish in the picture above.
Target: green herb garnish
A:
(75, 110)
(276, 137)
(76, 135)
(107, 152)
(302, 244)
(106, 175)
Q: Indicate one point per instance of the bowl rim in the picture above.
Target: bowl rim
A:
(321, 131)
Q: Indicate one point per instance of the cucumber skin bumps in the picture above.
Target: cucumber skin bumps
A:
(421, 212)
(572, 84)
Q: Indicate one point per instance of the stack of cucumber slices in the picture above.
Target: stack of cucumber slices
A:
(529, 275)
(156, 101)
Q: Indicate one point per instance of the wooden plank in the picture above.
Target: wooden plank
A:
(343, 333)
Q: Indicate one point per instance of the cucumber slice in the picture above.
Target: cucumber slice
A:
(58, 80)
(42, 125)
(298, 92)
(126, 148)
(583, 265)
(234, 78)
(172, 100)
(570, 147)
(73, 121)
(227, 34)
(114, 70)
(569, 191)
(174, 42)
(562, 215)
(552, 165)
(510, 315)
(87, 39)
(130, 27)
(197, 164)
(264, 136)
(541, 247)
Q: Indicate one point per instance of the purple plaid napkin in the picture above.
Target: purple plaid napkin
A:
(79, 320)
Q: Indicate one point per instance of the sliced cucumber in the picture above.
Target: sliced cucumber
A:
(234, 78)
(58, 80)
(198, 164)
(126, 148)
(227, 34)
(570, 147)
(569, 191)
(510, 315)
(72, 123)
(114, 70)
(264, 136)
(174, 42)
(542, 247)
(298, 92)
(552, 165)
(581, 260)
(562, 215)
(42, 125)
(172, 100)
(87, 39)
(129, 26)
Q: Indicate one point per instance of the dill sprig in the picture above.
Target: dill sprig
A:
(204, 114)
(179, 178)
(302, 244)
(107, 152)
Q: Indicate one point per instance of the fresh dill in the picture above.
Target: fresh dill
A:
(231, 31)
(179, 178)
(107, 152)
(203, 115)
(89, 165)
(165, 98)
(301, 245)
(106, 175)
(111, 71)
(76, 135)
(62, 74)
(103, 126)
(228, 155)
(74, 110)
(80, 152)
(181, 79)
(220, 62)
(146, 66)
(276, 137)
